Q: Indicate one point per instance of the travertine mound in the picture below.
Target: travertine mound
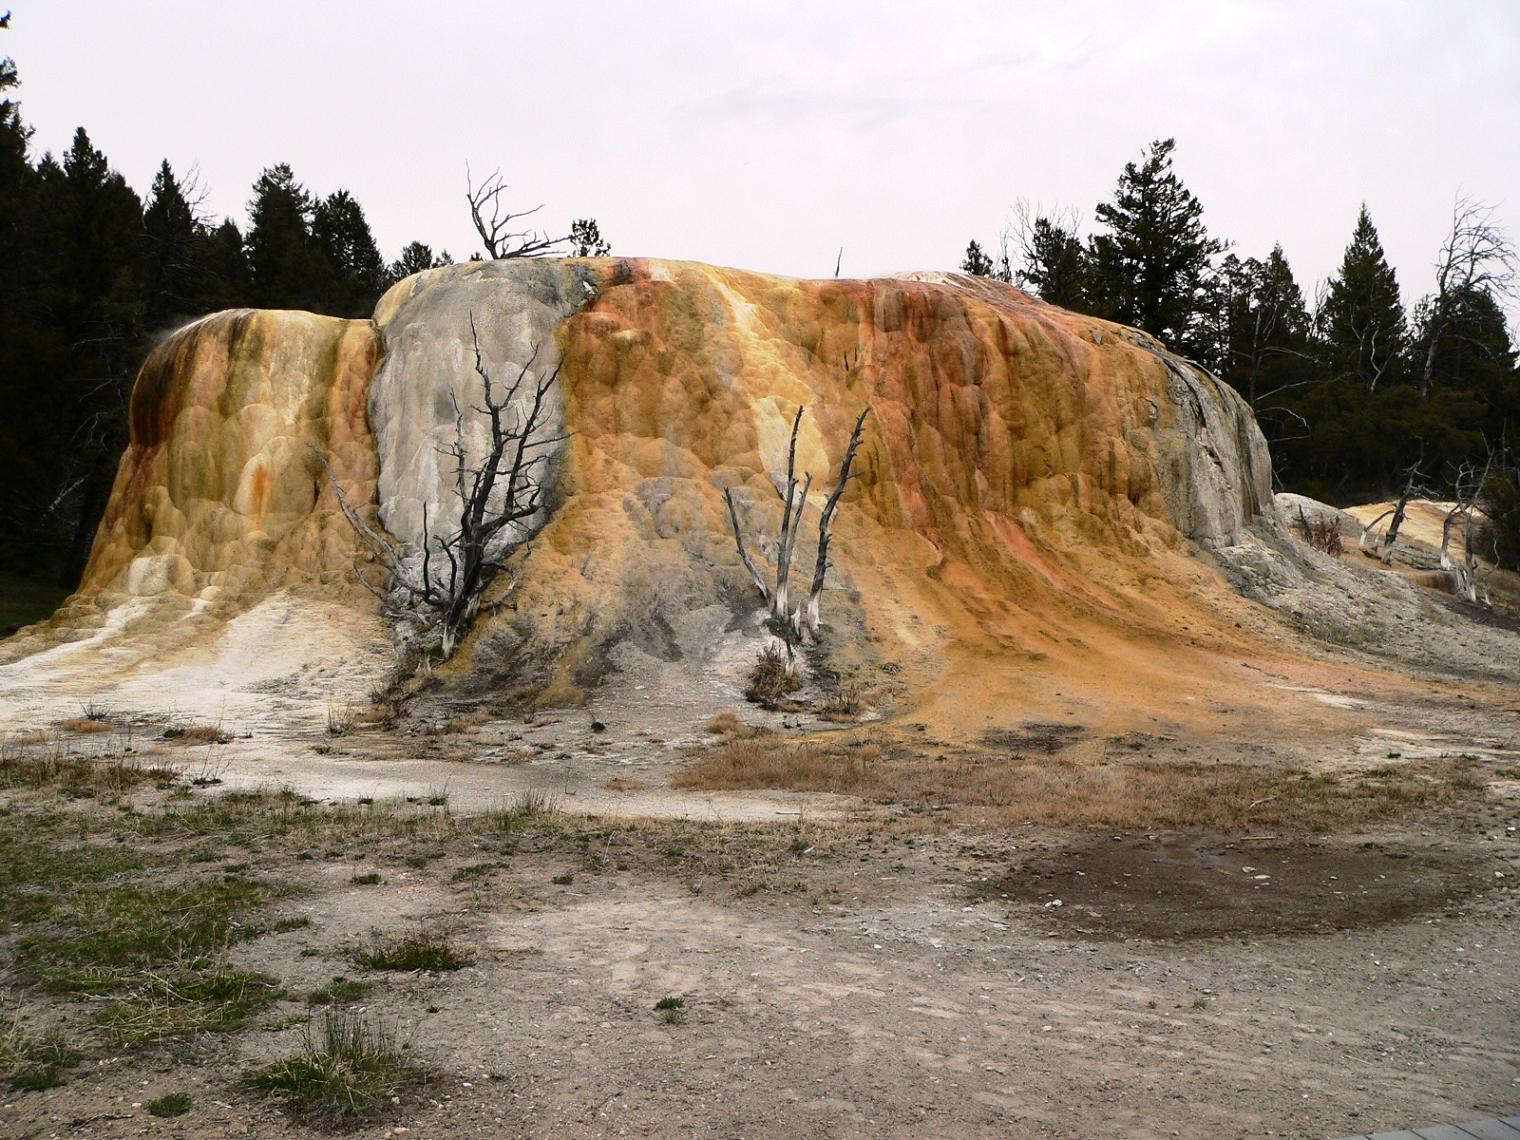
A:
(1035, 490)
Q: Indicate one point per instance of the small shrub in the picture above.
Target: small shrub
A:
(36, 1078)
(772, 678)
(170, 1104)
(672, 1009)
(562, 880)
(1321, 533)
(369, 879)
(349, 1071)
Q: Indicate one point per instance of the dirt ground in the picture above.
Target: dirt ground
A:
(847, 969)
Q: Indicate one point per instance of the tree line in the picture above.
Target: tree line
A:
(1355, 395)
(92, 272)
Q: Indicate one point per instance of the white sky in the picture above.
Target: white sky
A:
(768, 135)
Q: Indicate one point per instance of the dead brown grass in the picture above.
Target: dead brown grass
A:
(197, 734)
(728, 724)
(1111, 793)
(469, 721)
(85, 724)
(57, 769)
(624, 784)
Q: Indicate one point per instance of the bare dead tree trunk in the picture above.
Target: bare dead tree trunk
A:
(821, 567)
(1464, 578)
(789, 523)
(749, 563)
(504, 488)
(788, 624)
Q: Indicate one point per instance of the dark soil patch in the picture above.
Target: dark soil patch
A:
(1035, 736)
(1179, 888)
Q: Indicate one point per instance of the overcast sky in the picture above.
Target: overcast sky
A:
(768, 135)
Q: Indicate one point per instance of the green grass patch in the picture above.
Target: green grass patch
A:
(339, 990)
(345, 1073)
(99, 939)
(170, 1104)
(35, 1061)
(165, 1007)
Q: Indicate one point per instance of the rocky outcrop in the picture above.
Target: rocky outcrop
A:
(1034, 485)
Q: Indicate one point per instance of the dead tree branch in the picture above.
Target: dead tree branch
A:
(494, 222)
(785, 621)
(821, 567)
(438, 585)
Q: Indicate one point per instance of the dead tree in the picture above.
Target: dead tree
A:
(1413, 489)
(437, 586)
(1477, 256)
(821, 567)
(494, 222)
(786, 622)
(1464, 574)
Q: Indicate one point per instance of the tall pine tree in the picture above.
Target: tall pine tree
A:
(1152, 266)
(285, 268)
(354, 270)
(1362, 319)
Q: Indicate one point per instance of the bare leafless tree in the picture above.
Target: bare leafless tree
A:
(787, 622)
(1468, 485)
(1477, 255)
(438, 585)
(494, 222)
(1414, 488)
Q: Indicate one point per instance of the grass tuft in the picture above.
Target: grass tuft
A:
(338, 991)
(348, 1072)
(424, 950)
(170, 1104)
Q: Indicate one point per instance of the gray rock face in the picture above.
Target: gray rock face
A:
(426, 394)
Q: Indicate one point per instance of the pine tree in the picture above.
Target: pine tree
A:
(586, 239)
(1362, 319)
(1262, 339)
(1055, 264)
(1152, 266)
(354, 270)
(976, 263)
(415, 257)
(284, 268)
(173, 246)
(94, 224)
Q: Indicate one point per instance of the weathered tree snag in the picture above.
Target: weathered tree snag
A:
(1464, 575)
(440, 604)
(749, 563)
(821, 567)
(789, 523)
(493, 222)
(788, 623)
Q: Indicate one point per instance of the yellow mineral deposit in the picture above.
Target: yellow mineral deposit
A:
(1036, 489)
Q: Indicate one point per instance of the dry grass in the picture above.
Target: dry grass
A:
(772, 678)
(85, 724)
(729, 725)
(1114, 793)
(468, 722)
(52, 766)
(197, 734)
